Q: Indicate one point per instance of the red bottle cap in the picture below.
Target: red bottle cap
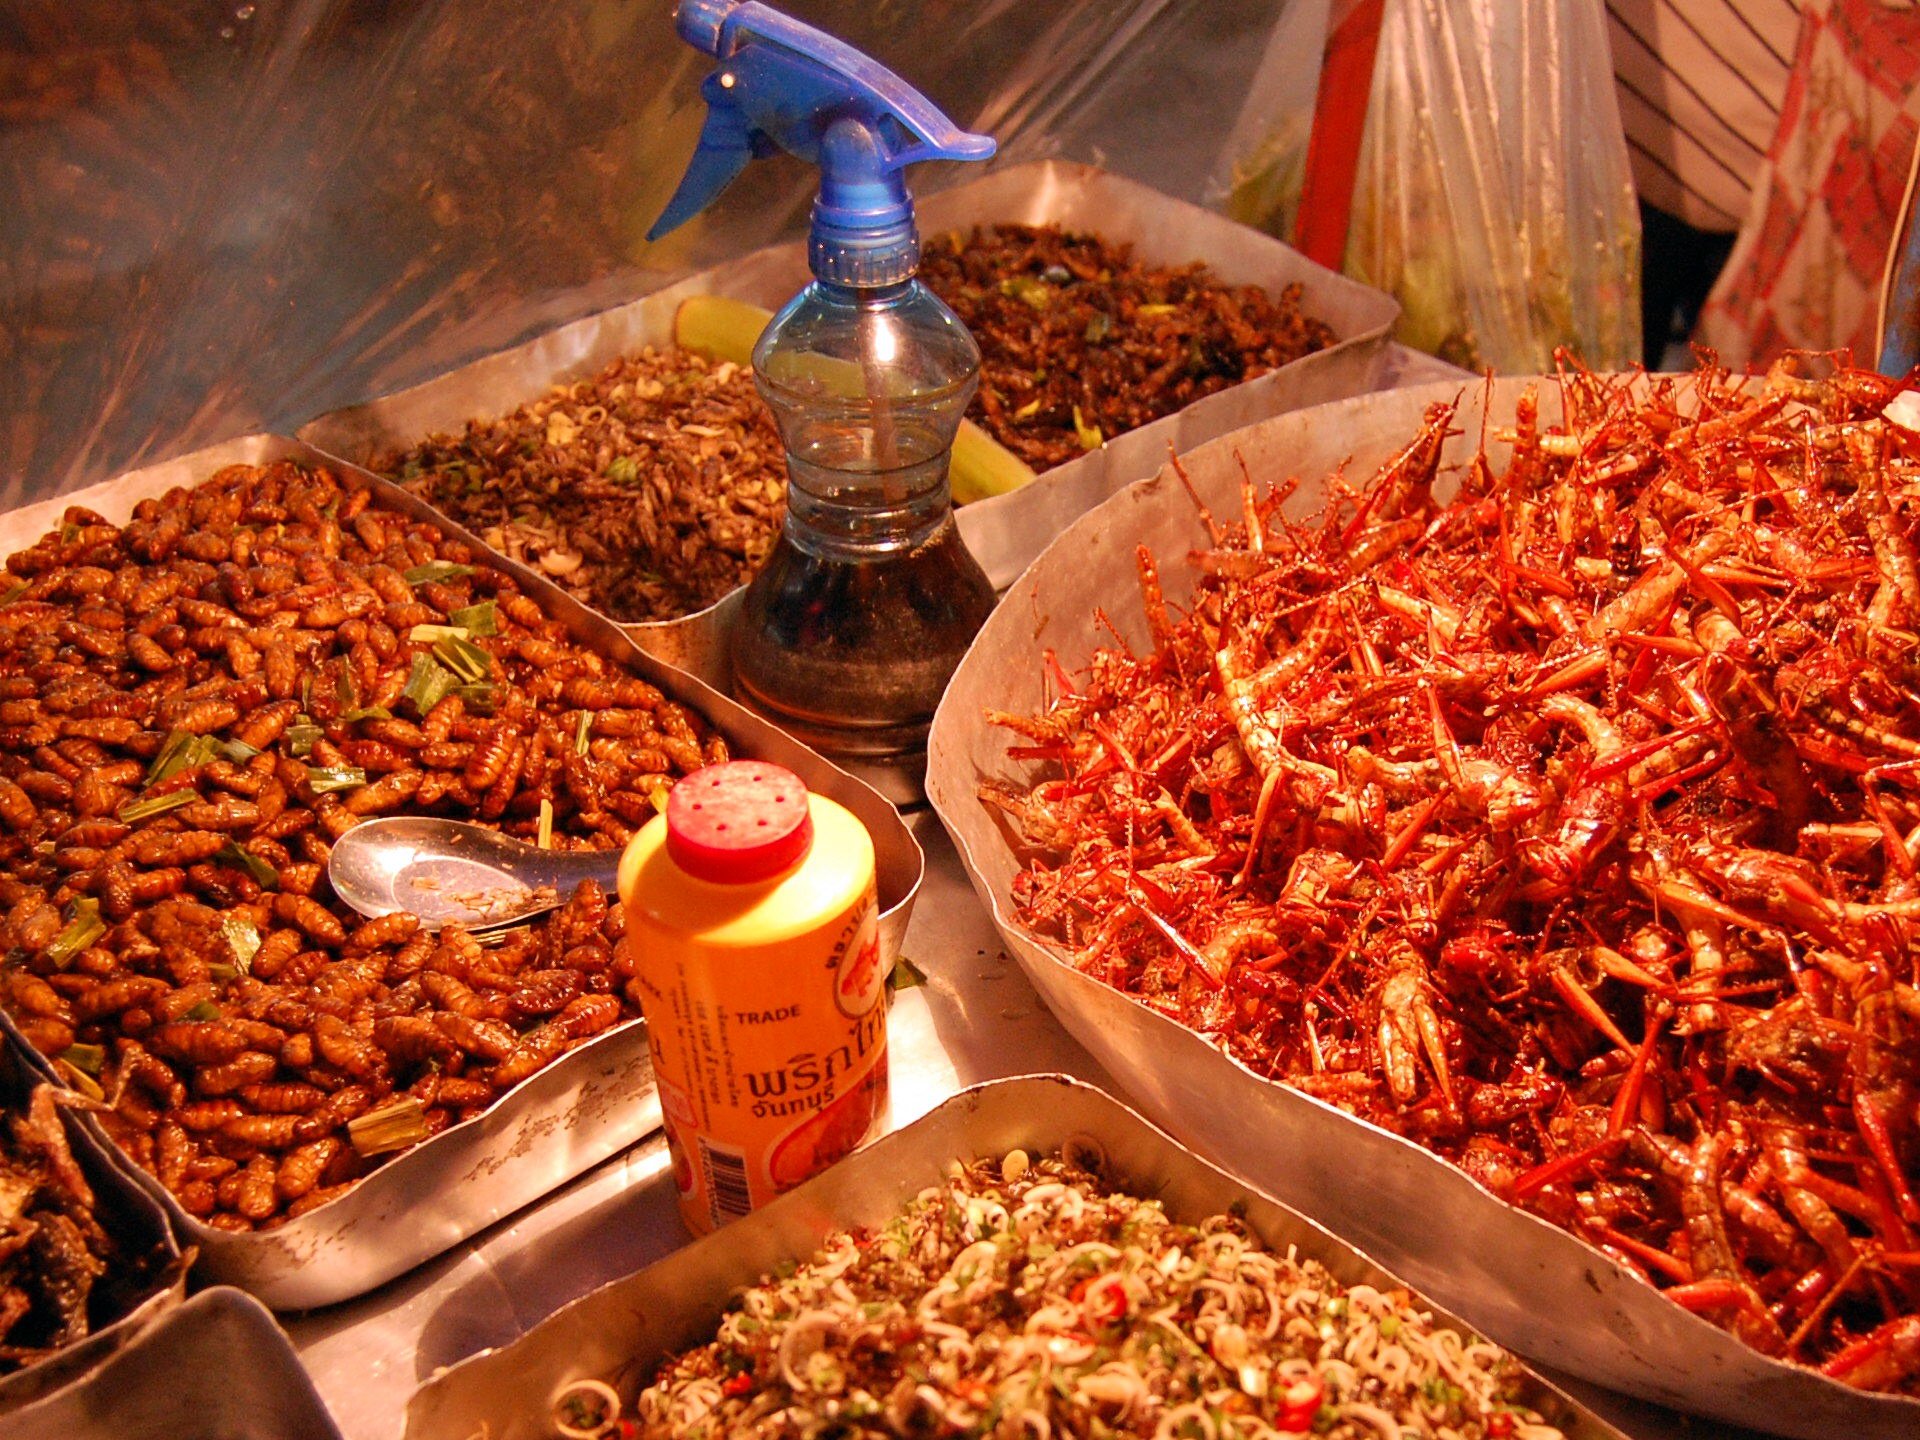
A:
(739, 822)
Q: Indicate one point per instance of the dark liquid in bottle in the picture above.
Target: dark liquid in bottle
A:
(851, 655)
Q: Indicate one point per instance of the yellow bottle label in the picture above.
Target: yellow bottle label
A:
(766, 1012)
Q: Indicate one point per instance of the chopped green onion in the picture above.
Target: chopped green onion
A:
(464, 658)
(428, 685)
(1089, 435)
(581, 731)
(1029, 290)
(344, 690)
(84, 926)
(479, 698)
(205, 1010)
(69, 533)
(623, 470)
(327, 780)
(237, 752)
(301, 738)
(1438, 1390)
(149, 806)
(81, 1080)
(223, 974)
(481, 619)
(906, 975)
(264, 875)
(393, 1126)
(179, 751)
(14, 593)
(1099, 327)
(87, 1059)
(433, 571)
(166, 757)
(544, 839)
(434, 634)
(366, 712)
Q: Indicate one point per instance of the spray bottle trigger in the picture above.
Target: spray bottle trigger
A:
(728, 144)
(784, 85)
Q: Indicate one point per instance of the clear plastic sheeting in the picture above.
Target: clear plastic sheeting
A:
(1494, 199)
(226, 217)
(1263, 166)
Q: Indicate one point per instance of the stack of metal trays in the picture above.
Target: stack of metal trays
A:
(1006, 532)
(590, 1104)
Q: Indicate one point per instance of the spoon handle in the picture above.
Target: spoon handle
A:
(569, 867)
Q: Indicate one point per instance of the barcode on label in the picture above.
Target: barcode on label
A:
(726, 1182)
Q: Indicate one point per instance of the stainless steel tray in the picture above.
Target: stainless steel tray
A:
(620, 1331)
(1004, 533)
(126, 1211)
(216, 1368)
(1526, 1283)
(588, 1105)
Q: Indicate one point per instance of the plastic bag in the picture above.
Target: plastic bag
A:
(1263, 163)
(237, 216)
(1493, 198)
(1810, 262)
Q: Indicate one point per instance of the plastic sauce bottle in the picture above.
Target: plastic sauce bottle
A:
(754, 923)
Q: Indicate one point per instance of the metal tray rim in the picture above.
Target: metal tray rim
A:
(319, 431)
(215, 1306)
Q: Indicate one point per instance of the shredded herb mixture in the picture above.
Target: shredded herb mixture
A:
(649, 492)
(1080, 342)
(1026, 1301)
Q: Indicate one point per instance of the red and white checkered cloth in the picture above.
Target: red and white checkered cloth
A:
(1805, 272)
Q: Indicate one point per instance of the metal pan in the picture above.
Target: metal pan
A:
(215, 1368)
(621, 1331)
(1004, 533)
(591, 1103)
(128, 1214)
(1526, 1283)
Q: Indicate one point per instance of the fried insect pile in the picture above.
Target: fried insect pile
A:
(62, 1275)
(649, 491)
(1080, 341)
(1568, 828)
(192, 707)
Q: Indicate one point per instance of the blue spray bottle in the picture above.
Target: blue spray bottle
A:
(851, 631)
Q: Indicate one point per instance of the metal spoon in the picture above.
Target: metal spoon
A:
(448, 872)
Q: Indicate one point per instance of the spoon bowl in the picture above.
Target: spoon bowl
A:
(449, 872)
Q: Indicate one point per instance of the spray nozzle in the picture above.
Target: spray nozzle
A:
(781, 84)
